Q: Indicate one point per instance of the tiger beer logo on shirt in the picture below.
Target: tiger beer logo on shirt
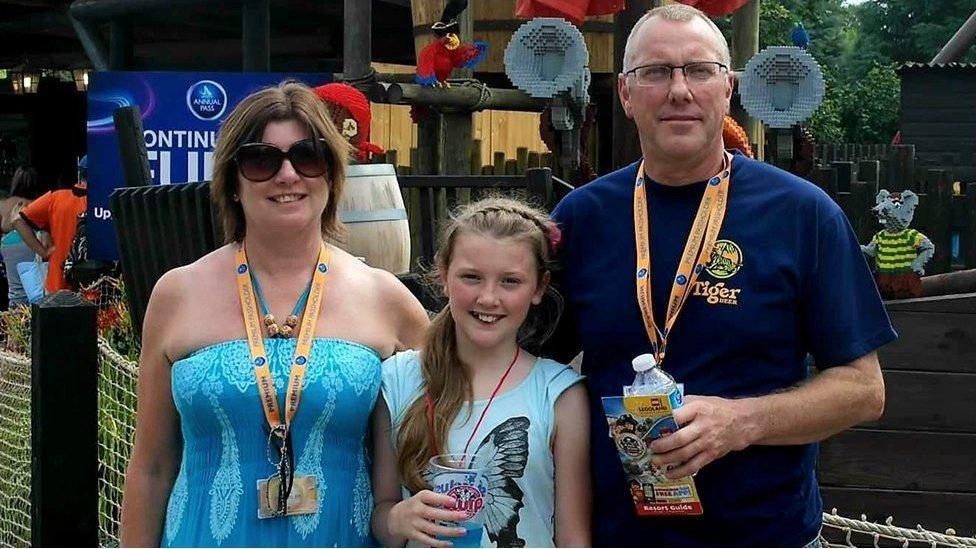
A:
(726, 260)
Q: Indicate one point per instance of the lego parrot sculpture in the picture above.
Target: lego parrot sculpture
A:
(799, 36)
(438, 59)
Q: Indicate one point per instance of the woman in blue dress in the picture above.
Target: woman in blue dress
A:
(238, 418)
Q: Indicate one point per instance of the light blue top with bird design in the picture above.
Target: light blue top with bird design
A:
(214, 501)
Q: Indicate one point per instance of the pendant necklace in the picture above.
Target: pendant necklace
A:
(271, 325)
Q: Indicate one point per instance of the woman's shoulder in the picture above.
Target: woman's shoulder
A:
(383, 295)
(382, 285)
(196, 275)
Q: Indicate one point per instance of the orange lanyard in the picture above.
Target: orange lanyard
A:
(303, 347)
(697, 252)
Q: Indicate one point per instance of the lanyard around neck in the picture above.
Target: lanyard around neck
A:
(429, 405)
(303, 347)
(694, 258)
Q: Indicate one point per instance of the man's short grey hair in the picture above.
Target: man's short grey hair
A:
(681, 13)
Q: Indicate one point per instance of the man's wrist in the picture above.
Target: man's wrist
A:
(752, 419)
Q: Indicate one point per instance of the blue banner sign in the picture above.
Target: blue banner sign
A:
(181, 114)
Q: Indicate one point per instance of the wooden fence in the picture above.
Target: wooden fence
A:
(917, 462)
(429, 199)
(499, 163)
(852, 176)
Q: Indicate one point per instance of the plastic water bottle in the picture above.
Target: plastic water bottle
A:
(651, 380)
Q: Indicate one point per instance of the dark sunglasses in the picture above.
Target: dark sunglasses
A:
(261, 161)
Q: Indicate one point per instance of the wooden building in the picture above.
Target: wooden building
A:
(938, 115)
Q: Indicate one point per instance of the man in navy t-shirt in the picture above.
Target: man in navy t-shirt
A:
(783, 277)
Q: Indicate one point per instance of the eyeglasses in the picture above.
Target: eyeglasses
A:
(699, 72)
(261, 161)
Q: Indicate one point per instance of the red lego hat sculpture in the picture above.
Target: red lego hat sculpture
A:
(351, 113)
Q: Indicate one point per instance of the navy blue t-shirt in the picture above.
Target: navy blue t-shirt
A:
(788, 278)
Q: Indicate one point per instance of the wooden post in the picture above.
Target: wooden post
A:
(64, 422)
(426, 161)
(868, 172)
(476, 160)
(861, 201)
(256, 35)
(626, 143)
(539, 185)
(454, 144)
(968, 236)
(132, 148)
(939, 222)
(745, 44)
(120, 45)
(455, 128)
(498, 161)
(826, 179)
(357, 36)
(845, 175)
(901, 171)
(511, 166)
(522, 160)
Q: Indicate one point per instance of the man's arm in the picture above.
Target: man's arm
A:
(831, 401)
(27, 233)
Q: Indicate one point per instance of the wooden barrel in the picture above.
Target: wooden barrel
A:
(495, 23)
(376, 222)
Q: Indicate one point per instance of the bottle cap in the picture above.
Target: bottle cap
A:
(644, 363)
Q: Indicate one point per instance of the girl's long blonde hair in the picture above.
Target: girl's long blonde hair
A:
(445, 384)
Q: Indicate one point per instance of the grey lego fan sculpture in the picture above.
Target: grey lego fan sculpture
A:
(546, 56)
(547, 59)
(782, 86)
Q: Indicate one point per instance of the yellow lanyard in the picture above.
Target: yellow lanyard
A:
(697, 252)
(255, 342)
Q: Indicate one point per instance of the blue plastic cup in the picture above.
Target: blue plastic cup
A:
(462, 476)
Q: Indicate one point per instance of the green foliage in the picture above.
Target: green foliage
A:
(871, 109)
(826, 125)
(858, 46)
(775, 24)
(912, 30)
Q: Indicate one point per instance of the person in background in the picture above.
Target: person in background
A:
(24, 188)
(56, 212)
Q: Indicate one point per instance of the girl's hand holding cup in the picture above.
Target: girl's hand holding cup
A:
(418, 517)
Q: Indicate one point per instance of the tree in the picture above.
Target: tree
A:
(858, 46)
(871, 108)
(913, 30)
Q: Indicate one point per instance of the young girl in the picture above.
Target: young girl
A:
(473, 389)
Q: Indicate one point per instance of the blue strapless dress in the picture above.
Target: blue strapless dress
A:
(214, 501)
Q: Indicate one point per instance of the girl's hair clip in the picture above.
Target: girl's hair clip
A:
(554, 237)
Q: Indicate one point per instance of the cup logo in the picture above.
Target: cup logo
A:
(469, 499)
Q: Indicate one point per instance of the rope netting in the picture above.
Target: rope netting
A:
(15, 449)
(117, 374)
(839, 531)
(118, 353)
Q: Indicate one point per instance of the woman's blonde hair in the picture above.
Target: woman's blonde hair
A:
(445, 382)
(289, 100)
